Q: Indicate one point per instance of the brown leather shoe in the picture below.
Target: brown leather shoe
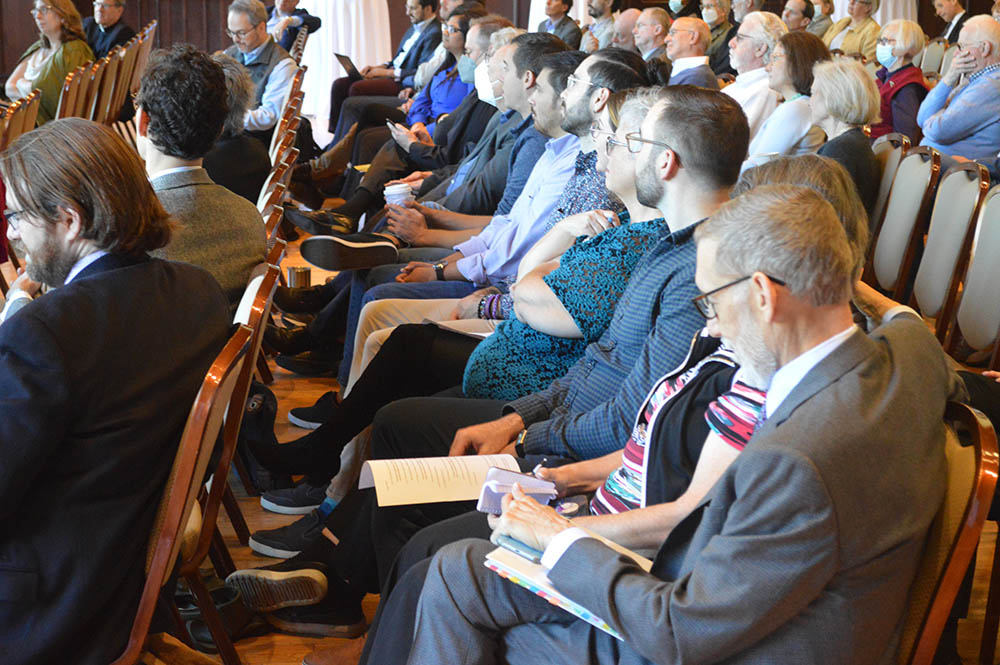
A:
(346, 652)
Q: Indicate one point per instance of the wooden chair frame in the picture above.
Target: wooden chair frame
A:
(186, 475)
(966, 541)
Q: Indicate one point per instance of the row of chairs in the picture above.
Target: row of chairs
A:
(936, 244)
(936, 57)
(19, 118)
(98, 91)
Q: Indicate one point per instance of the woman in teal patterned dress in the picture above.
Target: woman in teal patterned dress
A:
(571, 280)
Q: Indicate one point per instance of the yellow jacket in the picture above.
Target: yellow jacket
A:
(859, 39)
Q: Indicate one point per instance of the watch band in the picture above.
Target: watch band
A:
(519, 444)
(439, 270)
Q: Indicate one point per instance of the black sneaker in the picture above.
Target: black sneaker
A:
(311, 417)
(299, 500)
(287, 541)
(337, 615)
(285, 584)
(351, 252)
(309, 363)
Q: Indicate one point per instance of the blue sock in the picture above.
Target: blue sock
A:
(327, 507)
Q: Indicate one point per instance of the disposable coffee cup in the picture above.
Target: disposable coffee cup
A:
(398, 194)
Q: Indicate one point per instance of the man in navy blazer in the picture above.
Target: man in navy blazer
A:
(417, 46)
(687, 42)
(284, 20)
(96, 381)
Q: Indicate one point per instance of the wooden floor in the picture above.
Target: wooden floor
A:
(277, 649)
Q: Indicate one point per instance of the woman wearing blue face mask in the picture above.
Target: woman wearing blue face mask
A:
(901, 85)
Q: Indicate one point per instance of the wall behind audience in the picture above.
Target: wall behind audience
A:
(203, 22)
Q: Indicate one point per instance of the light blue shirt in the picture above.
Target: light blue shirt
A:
(964, 121)
(787, 131)
(495, 253)
(266, 115)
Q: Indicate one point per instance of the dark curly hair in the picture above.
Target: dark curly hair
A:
(184, 94)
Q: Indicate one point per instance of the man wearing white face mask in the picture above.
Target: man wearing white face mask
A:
(716, 14)
(681, 8)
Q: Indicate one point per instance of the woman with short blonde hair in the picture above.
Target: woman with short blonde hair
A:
(845, 98)
(60, 49)
(901, 85)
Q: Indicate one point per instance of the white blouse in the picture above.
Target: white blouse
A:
(787, 131)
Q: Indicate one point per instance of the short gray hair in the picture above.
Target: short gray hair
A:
(984, 29)
(638, 103)
(849, 91)
(502, 37)
(829, 178)
(786, 232)
(252, 9)
(766, 28)
(909, 36)
(239, 89)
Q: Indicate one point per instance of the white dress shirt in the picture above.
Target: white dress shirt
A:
(751, 92)
(681, 64)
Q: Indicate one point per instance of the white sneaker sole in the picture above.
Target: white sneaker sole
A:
(268, 590)
(304, 424)
(286, 510)
(274, 552)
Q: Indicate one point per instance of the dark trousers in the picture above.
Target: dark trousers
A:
(343, 88)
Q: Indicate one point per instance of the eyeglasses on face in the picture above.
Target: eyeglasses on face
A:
(634, 142)
(106, 5)
(240, 34)
(445, 28)
(573, 80)
(40, 11)
(706, 307)
(11, 216)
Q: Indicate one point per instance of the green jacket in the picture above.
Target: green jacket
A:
(50, 82)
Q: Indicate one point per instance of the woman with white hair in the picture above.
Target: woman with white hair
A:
(901, 85)
(844, 99)
(857, 32)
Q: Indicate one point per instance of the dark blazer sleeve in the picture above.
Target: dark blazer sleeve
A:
(309, 22)
(569, 32)
(421, 51)
(32, 370)
(781, 534)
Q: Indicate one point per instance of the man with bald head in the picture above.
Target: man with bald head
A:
(686, 43)
(650, 33)
(959, 115)
(621, 36)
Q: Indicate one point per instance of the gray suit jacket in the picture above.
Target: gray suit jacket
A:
(805, 549)
(566, 30)
(219, 231)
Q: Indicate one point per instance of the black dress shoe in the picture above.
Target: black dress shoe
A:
(356, 251)
(319, 222)
(288, 340)
(299, 299)
(310, 363)
(337, 615)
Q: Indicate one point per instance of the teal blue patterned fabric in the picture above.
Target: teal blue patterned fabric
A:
(518, 360)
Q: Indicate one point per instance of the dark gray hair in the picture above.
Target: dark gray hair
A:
(252, 9)
(239, 89)
(789, 233)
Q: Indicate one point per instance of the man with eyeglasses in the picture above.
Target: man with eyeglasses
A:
(777, 563)
(271, 68)
(106, 30)
(749, 50)
(650, 33)
(959, 116)
(686, 43)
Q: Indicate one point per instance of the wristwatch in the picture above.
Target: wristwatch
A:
(439, 269)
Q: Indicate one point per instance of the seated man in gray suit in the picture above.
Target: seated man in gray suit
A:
(560, 24)
(650, 33)
(687, 43)
(806, 547)
(182, 105)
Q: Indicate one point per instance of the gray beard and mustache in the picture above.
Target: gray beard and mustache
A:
(756, 360)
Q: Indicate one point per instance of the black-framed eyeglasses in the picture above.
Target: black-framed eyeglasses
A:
(634, 142)
(11, 217)
(705, 306)
(240, 34)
